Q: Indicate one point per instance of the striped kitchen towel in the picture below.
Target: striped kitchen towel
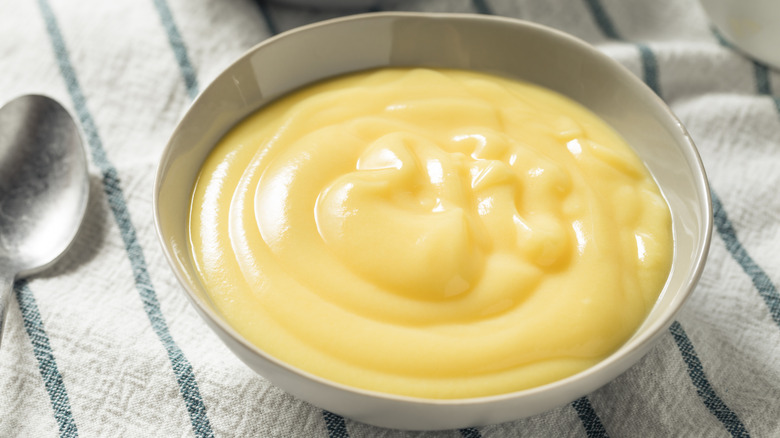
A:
(106, 344)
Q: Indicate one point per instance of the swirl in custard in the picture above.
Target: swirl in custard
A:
(431, 233)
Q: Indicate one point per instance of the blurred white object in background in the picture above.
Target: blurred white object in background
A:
(752, 26)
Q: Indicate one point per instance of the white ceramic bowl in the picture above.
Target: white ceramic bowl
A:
(505, 46)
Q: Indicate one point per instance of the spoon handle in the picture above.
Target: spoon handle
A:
(6, 287)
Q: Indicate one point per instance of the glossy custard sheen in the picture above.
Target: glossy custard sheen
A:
(430, 233)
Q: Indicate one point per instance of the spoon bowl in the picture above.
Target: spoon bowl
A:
(43, 188)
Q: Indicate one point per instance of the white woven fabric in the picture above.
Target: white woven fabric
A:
(106, 344)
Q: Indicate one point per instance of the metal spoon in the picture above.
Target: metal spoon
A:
(43, 188)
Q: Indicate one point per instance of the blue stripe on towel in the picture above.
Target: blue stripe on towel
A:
(760, 71)
(590, 420)
(179, 49)
(181, 367)
(47, 365)
(337, 426)
(470, 432)
(607, 27)
(602, 19)
(763, 84)
(649, 68)
(482, 7)
(265, 11)
(761, 281)
(708, 396)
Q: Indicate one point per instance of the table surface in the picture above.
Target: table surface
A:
(106, 344)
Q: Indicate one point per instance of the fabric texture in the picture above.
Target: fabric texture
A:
(105, 343)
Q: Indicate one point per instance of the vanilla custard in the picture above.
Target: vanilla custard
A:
(430, 233)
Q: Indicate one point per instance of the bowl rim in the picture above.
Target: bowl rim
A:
(633, 345)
